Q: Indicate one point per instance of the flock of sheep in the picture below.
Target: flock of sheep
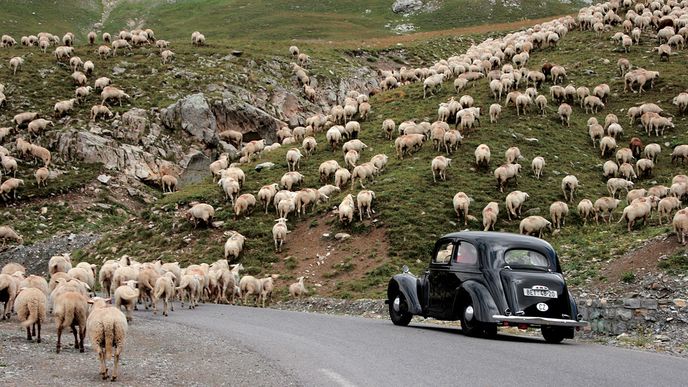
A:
(502, 61)
(68, 295)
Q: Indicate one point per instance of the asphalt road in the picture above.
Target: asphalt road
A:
(326, 350)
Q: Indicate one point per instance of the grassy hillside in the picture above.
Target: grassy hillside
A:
(267, 20)
(414, 211)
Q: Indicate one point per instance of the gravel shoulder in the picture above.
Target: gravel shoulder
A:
(157, 353)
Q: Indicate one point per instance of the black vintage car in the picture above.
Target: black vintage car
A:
(487, 279)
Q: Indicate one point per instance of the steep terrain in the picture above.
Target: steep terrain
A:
(256, 85)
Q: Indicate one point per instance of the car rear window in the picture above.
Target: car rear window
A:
(522, 257)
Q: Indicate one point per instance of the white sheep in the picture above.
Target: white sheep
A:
(635, 211)
(291, 179)
(16, 63)
(267, 193)
(605, 205)
(504, 173)
(364, 200)
(482, 156)
(514, 203)
(569, 184)
(363, 172)
(63, 107)
(607, 146)
(82, 92)
(70, 309)
(538, 164)
(100, 110)
(234, 246)
(346, 209)
(267, 285)
(10, 186)
(279, 233)
(558, 211)
(615, 184)
(200, 212)
(461, 202)
(666, 206)
(565, 111)
(101, 83)
(293, 157)
(680, 225)
(30, 305)
(244, 205)
(541, 103)
(439, 166)
(388, 127)
(585, 209)
(164, 290)
(8, 292)
(230, 187)
(652, 151)
(127, 295)
(297, 289)
(495, 111)
(250, 286)
(534, 225)
(166, 56)
(107, 329)
(110, 92)
(9, 164)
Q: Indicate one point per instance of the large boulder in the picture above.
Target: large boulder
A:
(133, 126)
(193, 115)
(406, 6)
(234, 113)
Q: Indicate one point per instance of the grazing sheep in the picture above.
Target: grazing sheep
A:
(107, 328)
(341, 177)
(363, 172)
(680, 153)
(127, 295)
(605, 205)
(495, 111)
(201, 212)
(644, 167)
(24, 118)
(569, 184)
(585, 209)
(652, 151)
(111, 92)
(364, 199)
(244, 205)
(164, 289)
(309, 145)
(558, 211)
(461, 202)
(351, 157)
(346, 209)
(615, 184)
(482, 156)
(30, 305)
(541, 103)
(100, 110)
(659, 124)
(451, 139)
(666, 206)
(16, 63)
(308, 196)
(8, 293)
(9, 164)
(514, 203)
(279, 233)
(408, 143)
(680, 224)
(104, 52)
(166, 56)
(10, 186)
(297, 289)
(607, 146)
(681, 101)
(230, 187)
(291, 179)
(101, 83)
(63, 107)
(635, 211)
(388, 127)
(70, 310)
(293, 157)
(506, 172)
(610, 168)
(592, 103)
(234, 246)
(564, 112)
(602, 91)
(267, 193)
(534, 225)
(512, 155)
(439, 165)
(490, 213)
(538, 164)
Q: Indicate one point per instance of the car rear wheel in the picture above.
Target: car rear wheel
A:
(469, 324)
(398, 310)
(552, 335)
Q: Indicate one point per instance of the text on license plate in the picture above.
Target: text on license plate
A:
(540, 293)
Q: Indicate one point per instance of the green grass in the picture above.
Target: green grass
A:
(676, 263)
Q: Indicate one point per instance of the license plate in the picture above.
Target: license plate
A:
(540, 293)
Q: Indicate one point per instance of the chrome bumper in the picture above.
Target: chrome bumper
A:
(539, 321)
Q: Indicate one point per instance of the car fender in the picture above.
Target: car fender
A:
(483, 304)
(573, 307)
(408, 286)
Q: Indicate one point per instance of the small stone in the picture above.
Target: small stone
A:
(118, 70)
(662, 338)
(342, 236)
(679, 302)
(266, 165)
(104, 178)
(44, 210)
(326, 235)
(218, 224)
(632, 303)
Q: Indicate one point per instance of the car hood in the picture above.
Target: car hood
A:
(520, 304)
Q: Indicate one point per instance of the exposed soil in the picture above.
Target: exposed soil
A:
(325, 261)
(641, 261)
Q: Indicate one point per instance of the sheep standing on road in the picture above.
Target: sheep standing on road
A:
(30, 306)
(107, 329)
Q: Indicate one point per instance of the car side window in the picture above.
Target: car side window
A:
(444, 253)
(467, 254)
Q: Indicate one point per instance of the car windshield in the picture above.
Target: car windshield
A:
(521, 257)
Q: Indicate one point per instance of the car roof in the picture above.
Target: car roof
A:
(503, 239)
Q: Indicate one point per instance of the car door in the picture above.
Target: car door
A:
(439, 277)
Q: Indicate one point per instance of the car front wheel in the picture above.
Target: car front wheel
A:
(552, 335)
(398, 310)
